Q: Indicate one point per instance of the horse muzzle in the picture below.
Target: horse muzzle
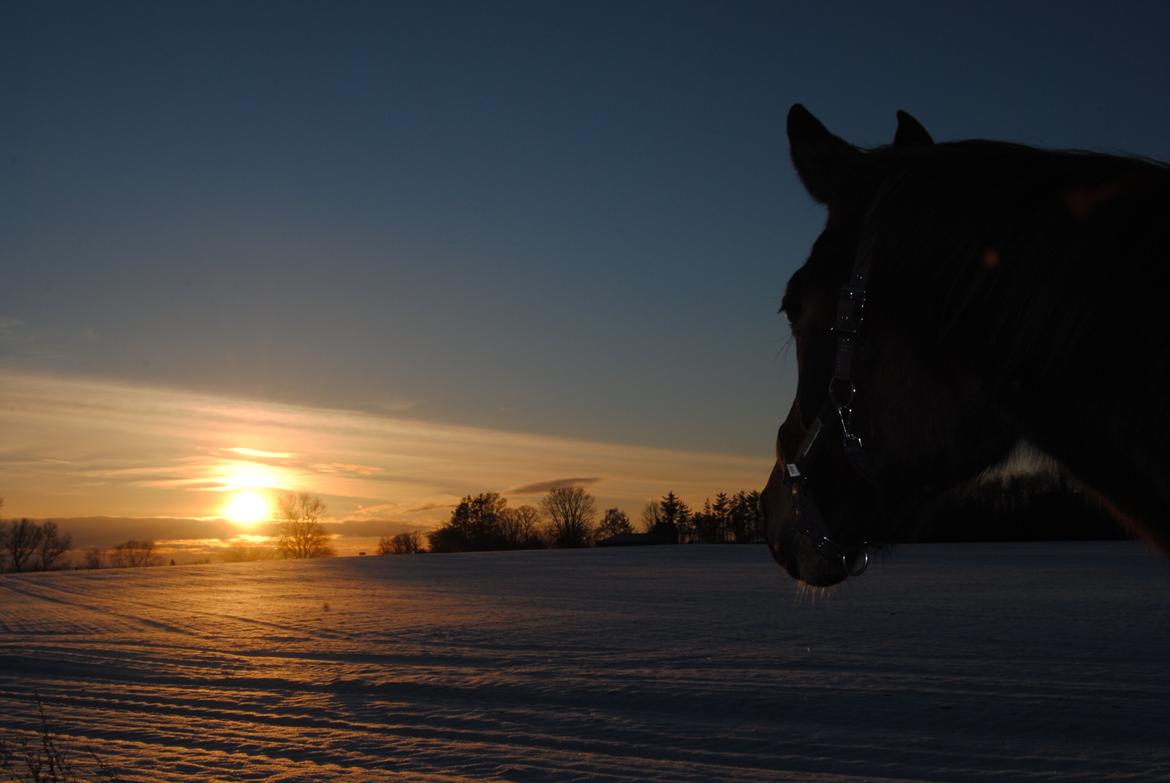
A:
(796, 533)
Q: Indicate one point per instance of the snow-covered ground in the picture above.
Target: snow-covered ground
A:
(946, 663)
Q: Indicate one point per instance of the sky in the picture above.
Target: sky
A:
(448, 248)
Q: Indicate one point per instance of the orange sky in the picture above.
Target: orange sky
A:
(84, 447)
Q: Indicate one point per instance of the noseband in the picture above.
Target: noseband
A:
(837, 410)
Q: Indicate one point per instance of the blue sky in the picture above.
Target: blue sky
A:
(567, 219)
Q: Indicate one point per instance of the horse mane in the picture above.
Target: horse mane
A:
(1039, 263)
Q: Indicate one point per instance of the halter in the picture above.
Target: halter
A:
(838, 408)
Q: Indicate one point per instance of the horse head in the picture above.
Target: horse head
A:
(881, 413)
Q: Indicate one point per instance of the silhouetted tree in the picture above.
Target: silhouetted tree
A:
(409, 543)
(21, 540)
(51, 546)
(705, 525)
(133, 554)
(746, 517)
(614, 522)
(475, 524)
(521, 528)
(721, 512)
(570, 512)
(300, 532)
(676, 514)
(651, 516)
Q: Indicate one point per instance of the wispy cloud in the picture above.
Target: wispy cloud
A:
(341, 468)
(429, 507)
(244, 451)
(540, 487)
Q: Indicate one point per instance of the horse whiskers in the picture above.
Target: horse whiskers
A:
(813, 593)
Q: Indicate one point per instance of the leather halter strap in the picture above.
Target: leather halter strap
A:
(838, 407)
(842, 388)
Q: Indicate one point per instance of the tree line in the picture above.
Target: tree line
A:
(729, 519)
(27, 545)
(564, 518)
(567, 517)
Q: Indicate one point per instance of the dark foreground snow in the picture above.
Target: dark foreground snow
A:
(696, 663)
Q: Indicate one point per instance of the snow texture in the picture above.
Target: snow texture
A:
(700, 663)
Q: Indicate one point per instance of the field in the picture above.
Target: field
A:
(948, 663)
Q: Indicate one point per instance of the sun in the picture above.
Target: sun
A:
(247, 507)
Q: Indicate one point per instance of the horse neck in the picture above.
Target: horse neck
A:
(1089, 358)
(1060, 314)
(1112, 447)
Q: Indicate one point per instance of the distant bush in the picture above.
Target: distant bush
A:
(134, 554)
(249, 553)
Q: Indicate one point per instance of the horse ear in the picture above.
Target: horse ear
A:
(823, 161)
(910, 132)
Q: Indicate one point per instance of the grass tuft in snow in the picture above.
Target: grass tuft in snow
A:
(35, 757)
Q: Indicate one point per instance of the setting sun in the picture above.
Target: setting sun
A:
(247, 508)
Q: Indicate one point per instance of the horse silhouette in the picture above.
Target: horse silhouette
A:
(964, 297)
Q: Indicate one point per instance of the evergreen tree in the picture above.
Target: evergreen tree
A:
(721, 512)
(676, 515)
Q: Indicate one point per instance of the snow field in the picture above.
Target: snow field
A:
(700, 663)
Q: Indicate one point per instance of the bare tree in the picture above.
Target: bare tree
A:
(570, 512)
(651, 516)
(520, 528)
(409, 543)
(301, 534)
(614, 522)
(22, 537)
(52, 545)
(133, 554)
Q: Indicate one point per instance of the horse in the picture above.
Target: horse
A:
(964, 298)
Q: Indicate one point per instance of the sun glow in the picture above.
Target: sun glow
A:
(247, 507)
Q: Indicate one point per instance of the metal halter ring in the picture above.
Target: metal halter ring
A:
(831, 550)
(858, 570)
